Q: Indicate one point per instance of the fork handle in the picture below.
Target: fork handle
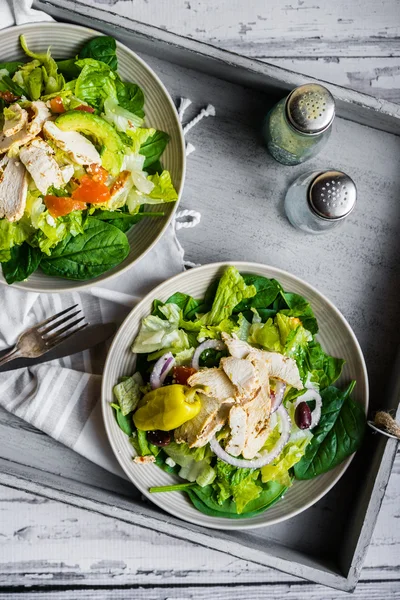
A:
(11, 355)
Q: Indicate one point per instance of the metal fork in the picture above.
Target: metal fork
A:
(44, 336)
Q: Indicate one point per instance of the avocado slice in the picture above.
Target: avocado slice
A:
(102, 133)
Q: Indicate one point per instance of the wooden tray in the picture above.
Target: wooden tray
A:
(239, 190)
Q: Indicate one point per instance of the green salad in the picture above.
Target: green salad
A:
(77, 164)
(234, 394)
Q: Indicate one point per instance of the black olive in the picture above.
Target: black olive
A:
(302, 416)
(159, 438)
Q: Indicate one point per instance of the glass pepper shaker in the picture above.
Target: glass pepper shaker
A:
(319, 201)
(298, 126)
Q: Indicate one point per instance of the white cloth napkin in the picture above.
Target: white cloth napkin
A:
(62, 397)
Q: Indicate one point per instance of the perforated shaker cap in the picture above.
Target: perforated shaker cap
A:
(332, 195)
(310, 108)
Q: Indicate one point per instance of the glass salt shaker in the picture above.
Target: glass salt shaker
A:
(297, 128)
(319, 201)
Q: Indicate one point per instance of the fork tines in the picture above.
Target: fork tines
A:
(58, 334)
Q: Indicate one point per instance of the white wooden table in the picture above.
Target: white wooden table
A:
(51, 550)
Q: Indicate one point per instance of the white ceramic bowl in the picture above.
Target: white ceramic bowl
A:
(66, 41)
(336, 337)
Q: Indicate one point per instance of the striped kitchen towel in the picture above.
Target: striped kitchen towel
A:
(62, 397)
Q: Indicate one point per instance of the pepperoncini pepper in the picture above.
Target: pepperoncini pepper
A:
(167, 408)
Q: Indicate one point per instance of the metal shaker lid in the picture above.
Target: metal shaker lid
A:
(310, 108)
(332, 195)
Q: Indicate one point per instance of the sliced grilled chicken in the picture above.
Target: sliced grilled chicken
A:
(13, 188)
(258, 411)
(257, 426)
(41, 115)
(242, 374)
(238, 426)
(38, 158)
(236, 347)
(218, 383)
(282, 368)
(79, 148)
(29, 131)
(212, 416)
(14, 124)
(67, 172)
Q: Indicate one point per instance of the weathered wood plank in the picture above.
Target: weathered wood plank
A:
(43, 541)
(274, 28)
(236, 591)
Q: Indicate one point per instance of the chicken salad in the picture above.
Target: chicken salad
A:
(234, 395)
(78, 165)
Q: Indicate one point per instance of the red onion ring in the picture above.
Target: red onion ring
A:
(161, 370)
(277, 396)
(311, 394)
(215, 344)
(266, 457)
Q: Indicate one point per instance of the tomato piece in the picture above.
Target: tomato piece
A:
(91, 191)
(182, 374)
(61, 206)
(84, 108)
(97, 172)
(57, 105)
(8, 96)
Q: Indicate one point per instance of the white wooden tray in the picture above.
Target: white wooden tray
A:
(239, 190)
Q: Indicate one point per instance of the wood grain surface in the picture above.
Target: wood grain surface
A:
(59, 552)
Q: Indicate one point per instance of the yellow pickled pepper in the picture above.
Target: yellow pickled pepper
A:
(167, 408)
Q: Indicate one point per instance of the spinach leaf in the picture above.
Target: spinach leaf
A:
(101, 48)
(130, 96)
(153, 147)
(100, 248)
(156, 167)
(68, 68)
(11, 67)
(203, 499)
(338, 434)
(8, 85)
(24, 261)
(185, 302)
(123, 220)
(267, 291)
(124, 421)
(325, 369)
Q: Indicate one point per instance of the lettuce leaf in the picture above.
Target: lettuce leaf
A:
(95, 82)
(158, 333)
(128, 393)
(120, 117)
(49, 80)
(231, 290)
(163, 190)
(240, 484)
(11, 234)
(291, 454)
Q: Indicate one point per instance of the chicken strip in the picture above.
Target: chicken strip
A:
(282, 368)
(41, 164)
(14, 124)
(29, 131)
(238, 426)
(13, 188)
(218, 383)
(41, 115)
(236, 347)
(79, 148)
(258, 411)
(212, 416)
(242, 374)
